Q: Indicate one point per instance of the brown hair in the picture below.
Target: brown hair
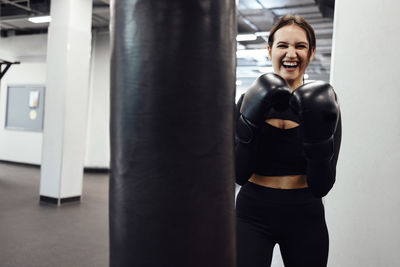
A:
(299, 21)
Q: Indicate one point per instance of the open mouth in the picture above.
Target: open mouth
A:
(290, 64)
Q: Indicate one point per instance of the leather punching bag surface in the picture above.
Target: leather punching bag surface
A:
(172, 100)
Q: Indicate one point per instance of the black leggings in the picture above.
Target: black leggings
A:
(293, 218)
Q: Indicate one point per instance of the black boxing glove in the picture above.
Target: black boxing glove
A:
(268, 90)
(318, 109)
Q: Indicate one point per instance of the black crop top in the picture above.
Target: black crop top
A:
(280, 151)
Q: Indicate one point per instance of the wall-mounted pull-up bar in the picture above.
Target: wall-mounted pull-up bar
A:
(7, 65)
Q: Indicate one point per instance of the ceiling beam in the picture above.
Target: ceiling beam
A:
(292, 6)
(26, 8)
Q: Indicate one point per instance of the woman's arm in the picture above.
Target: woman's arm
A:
(321, 172)
(269, 90)
(244, 152)
(318, 109)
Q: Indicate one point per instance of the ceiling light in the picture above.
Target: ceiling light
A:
(42, 19)
(262, 34)
(265, 69)
(239, 46)
(245, 37)
(254, 53)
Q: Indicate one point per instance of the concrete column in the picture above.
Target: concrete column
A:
(363, 208)
(68, 58)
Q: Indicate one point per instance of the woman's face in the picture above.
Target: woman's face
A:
(289, 54)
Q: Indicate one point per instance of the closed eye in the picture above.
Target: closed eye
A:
(301, 45)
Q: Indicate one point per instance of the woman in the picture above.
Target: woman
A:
(287, 144)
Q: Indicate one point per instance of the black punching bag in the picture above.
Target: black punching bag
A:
(172, 101)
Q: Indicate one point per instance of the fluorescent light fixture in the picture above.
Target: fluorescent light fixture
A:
(245, 37)
(239, 46)
(252, 53)
(265, 69)
(262, 34)
(42, 19)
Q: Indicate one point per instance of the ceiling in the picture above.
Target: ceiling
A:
(253, 16)
(14, 16)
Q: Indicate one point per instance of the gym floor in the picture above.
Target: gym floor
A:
(38, 234)
(34, 234)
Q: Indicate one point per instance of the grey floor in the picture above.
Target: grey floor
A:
(34, 234)
(37, 234)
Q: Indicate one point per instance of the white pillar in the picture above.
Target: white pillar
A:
(363, 209)
(68, 58)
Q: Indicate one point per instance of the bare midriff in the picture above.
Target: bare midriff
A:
(281, 182)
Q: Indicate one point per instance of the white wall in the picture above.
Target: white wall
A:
(363, 209)
(26, 48)
(21, 146)
(30, 50)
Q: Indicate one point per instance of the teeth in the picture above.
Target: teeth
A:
(290, 64)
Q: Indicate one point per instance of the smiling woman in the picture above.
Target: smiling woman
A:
(287, 144)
